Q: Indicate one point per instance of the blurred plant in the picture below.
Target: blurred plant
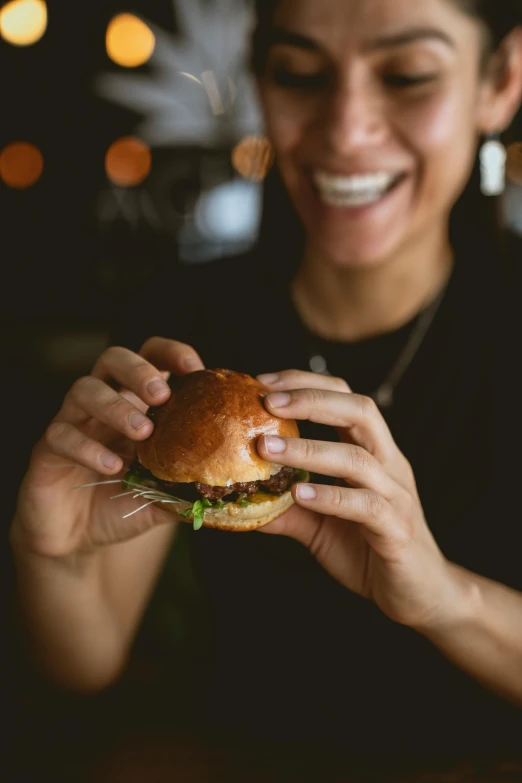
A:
(198, 89)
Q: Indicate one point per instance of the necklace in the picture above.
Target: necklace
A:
(384, 394)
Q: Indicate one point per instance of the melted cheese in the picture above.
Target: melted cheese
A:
(260, 497)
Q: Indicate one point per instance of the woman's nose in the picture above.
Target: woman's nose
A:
(354, 121)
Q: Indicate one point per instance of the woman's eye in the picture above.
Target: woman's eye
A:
(300, 81)
(409, 80)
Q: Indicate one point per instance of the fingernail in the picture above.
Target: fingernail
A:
(305, 492)
(109, 460)
(268, 379)
(157, 387)
(279, 400)
(274, 445)
(138, 420)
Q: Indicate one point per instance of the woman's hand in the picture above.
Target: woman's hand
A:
(93, 438)
(368, 531)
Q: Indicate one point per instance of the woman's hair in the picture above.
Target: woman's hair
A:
(499, 18)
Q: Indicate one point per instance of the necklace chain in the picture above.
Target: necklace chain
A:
(385, 393)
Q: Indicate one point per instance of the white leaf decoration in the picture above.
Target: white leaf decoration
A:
(199, 90)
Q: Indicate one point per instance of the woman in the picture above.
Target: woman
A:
(399, 622)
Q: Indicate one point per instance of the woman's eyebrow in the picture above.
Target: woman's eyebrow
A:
(411, 35)
(281, 35)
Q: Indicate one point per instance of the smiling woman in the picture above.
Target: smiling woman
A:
(407, 103)
(405, 109)
(327, 635)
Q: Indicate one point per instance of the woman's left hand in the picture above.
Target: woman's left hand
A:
(368, 531)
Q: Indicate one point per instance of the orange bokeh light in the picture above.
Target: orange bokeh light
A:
(128, 161)
(253, 157)
(21, 165)
(129, 41)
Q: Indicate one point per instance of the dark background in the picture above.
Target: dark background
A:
(64, 277)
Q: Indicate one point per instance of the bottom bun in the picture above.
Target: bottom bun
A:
(238, 518)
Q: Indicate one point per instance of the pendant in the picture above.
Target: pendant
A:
(383, 397)
(318, 365)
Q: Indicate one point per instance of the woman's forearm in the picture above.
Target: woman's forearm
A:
(70, 633)
(79, 614)
(484, 638)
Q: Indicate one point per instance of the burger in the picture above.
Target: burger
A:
(201, 461)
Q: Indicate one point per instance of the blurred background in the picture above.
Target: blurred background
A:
(130, 139)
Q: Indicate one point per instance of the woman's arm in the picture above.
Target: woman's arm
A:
(78, 614)
(85, 563)
(484, 638)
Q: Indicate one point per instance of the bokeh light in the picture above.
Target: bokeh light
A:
(21, 165)
(230, 212)
(23, 22)
(129, 41)
(253, 157)
(514, 162)
(128, 161)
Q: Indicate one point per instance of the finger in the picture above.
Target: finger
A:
(171, 355)
(351, 463)
(132, 372)
(363, 506)
(135, 400)
(298, 379)
(354, 415)
(65, 440)
(91, 398)
(303, 527)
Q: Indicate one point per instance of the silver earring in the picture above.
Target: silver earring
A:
(493, 157)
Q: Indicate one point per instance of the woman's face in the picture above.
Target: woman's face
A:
(373, 110)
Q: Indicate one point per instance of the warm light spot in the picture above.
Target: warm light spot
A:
(128, 161)
(514, 162)
(129, 41)
(23, 22)
(21, 165)
(253, 157)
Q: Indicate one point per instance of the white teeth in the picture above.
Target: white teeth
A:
(350, 201)
(358, 190)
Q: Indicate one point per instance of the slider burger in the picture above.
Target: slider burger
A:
(201, 461)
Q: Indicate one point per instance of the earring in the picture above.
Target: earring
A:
(493, 157)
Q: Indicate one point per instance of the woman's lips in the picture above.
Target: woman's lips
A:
(353, 196)
(354, 189)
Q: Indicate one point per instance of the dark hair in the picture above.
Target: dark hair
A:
(499, 18)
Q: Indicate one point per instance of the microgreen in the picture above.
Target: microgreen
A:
(132, 486)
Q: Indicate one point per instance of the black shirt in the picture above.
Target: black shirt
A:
(295, 658)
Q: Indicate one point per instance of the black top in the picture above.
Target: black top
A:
(295, 657)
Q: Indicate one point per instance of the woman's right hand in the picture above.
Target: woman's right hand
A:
(92, 439)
